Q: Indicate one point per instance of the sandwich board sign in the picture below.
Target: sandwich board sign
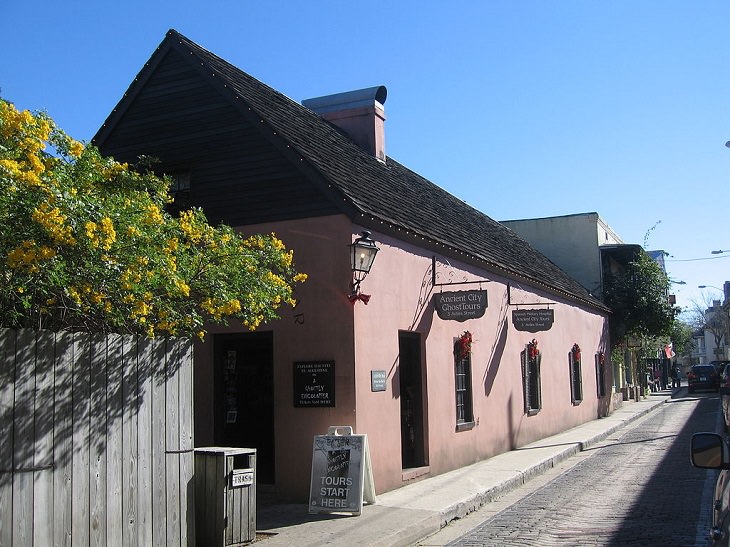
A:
(342, 474)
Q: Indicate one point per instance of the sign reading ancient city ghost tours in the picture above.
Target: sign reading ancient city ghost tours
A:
(460, 305)
(314, 383)
(533, 320)
(342, 475)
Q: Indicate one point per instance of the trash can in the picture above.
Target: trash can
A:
(225, 496)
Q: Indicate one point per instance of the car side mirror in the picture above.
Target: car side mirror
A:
(709, 451)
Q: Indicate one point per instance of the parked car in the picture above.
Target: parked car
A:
(721, 366)
(703, 377)
(725, 394)
(710, 451)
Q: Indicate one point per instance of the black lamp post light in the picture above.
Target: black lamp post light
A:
(362, 256)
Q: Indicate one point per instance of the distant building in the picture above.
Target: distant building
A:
(712, 342)
(588, 249)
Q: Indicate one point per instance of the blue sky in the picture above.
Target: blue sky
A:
(524, 109)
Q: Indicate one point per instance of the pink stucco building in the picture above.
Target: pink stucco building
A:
(395, 368)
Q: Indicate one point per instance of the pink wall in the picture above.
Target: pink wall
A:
(362, 338)
(322, 330)
(396, 284)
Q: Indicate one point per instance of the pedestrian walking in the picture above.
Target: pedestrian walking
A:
(675, 377)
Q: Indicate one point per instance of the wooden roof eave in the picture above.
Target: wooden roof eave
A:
(129, 95)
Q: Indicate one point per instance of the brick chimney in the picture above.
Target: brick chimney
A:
(358, 113)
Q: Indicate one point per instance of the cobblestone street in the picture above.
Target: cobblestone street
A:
(636, 488)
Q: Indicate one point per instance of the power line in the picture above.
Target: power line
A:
(694, 259)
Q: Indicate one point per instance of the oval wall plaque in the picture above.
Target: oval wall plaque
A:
(533, 320)
(460, 305)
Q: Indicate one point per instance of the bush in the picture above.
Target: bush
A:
(86, 244)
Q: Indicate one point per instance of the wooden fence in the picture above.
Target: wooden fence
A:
(96, 440)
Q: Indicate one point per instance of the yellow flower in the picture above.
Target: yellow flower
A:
(54, 223)
(153, 215)
(75, 148)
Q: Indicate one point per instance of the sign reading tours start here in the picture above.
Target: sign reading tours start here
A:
(460, 305)
(342, 477)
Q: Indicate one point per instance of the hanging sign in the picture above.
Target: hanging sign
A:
(460, 305)
(533, 320)
(342, 475)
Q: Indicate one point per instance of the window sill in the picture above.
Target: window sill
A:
(415, 472)
(465, 426)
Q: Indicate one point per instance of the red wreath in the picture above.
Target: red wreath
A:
(463, 345)
(532, 350)
(576, 352)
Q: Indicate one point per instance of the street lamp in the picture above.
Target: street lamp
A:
(709, 287)
(362, 256)
(719, 252)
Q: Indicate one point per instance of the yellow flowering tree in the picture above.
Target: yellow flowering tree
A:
(86, 243)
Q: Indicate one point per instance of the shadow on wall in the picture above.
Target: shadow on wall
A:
(500, 340)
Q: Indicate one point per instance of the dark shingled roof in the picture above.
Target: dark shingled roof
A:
(376, 193)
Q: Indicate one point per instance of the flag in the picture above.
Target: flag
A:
(669, 350)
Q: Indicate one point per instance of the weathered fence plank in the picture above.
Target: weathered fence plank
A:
(172, 450)
(159, 475)
(184, 356)
(99, 439)
(43, 432)
(143, 352)
(7, 405)
(80, 515)
(63, 439)
(129, 395)
(115, 412)
(23, 439)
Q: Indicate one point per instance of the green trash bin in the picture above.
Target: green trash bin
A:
(225, 496)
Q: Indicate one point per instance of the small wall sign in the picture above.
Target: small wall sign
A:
(378, 379)
(314, 383)
(533, 320)
(460, 305)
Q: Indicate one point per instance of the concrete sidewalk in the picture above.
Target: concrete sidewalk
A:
(410, 514)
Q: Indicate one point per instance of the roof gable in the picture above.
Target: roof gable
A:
(386, 196)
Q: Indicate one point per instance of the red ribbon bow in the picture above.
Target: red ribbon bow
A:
(365, 298)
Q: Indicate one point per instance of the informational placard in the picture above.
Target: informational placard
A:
(460, 305)
(342, 476)
(533, 320)
(378, 379)
(314, 383)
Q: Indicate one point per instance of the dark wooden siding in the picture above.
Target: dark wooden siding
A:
(238, 176)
